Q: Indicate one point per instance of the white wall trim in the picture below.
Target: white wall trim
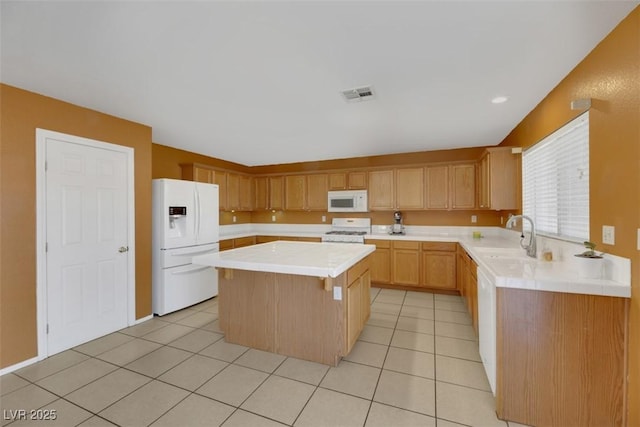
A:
(41, 231)
(17, 366)
(144, 319)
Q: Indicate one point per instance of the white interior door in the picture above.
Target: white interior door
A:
(87, 233)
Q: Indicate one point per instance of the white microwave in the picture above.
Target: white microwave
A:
(348, 201)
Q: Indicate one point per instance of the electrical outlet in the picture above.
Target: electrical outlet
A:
(233, 218)
(273, 218)
(608, 234)
(474, 219)
(324, 218)
(639, 239)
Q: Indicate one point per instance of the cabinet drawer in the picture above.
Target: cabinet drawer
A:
(399, 244)
(226, 244)
(357, 270)
(379, 243)
(439, 246)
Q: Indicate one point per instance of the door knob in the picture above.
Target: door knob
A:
(123, 249)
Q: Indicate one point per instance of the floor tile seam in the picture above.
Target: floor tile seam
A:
(456, 338)
(264, 416)
(369, 399)
(53, 373)
(455, 422)
(402, 409)
(16, 389)
(229, 362)
(122, 398)
(102, 352)
(91, 413)
(465, 386)
(413, 349)
(309, 400)
(171, 408)
(460, 358)
(164, 343)
(375, 389)
(410, 374)
(266, 372)
(90, 382)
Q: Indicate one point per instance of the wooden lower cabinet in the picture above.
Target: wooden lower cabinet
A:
(560, 358)
(358, 300)
(406, 263)
(413, 264)
(381, 262)
(237, 243)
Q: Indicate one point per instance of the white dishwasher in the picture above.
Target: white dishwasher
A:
(487, 324)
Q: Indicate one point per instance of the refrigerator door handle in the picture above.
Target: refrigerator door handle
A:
(197, 213)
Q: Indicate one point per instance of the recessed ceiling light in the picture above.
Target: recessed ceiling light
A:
(499, 99)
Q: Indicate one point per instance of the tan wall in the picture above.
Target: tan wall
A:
(610, 75)
(21, 112)
(166, 162)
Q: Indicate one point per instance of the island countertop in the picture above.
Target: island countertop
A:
(301, 258)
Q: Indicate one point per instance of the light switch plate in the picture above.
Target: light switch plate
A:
(608, 234)
(337, 293)
(474, 219)
(639, 239)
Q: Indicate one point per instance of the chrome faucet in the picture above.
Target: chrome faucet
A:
(531, 247)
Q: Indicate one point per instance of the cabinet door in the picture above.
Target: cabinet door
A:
(484, 184)
(337, 181)
(193, 172)
(246, 193)
(357, 181)
(244, 241)
(381, 195)
(276, 192)
(437, 186)
(295, 192)
(463, 186)
(439, 270)
(261, 193)
(406, 263)
(220, 178)
(317, 188)
(365, 301)
(233, 191)
(354, 315)
(225, 245)
(409, 185)
(381, 265)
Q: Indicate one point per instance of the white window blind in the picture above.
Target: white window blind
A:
(555, 181)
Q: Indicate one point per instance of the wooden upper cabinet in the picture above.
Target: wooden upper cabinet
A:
(306, 192)
(381, 190)
(276, 192)
(261, 193)
(338, 181)
(409, 183)
(246, 193)
(451, 186)
(198, 173)
(295, 192)
(317, 187)
(498, 179)
(233, 191)
(220, 178)
(437, 186)
(348, 181)
(463, 186)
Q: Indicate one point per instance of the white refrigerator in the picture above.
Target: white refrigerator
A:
(185, 223)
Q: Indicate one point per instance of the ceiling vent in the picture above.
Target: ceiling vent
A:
(358, 94)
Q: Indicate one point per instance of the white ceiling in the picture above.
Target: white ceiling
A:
(258, 82)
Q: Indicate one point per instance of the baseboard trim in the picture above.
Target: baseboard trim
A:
(17, 366)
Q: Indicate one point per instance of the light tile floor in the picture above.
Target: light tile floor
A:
(416, 364)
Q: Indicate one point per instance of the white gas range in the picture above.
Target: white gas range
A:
(348, 230)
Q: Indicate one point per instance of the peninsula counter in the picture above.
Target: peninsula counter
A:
(300, 299)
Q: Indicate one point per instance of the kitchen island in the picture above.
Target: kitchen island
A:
(301, 299)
